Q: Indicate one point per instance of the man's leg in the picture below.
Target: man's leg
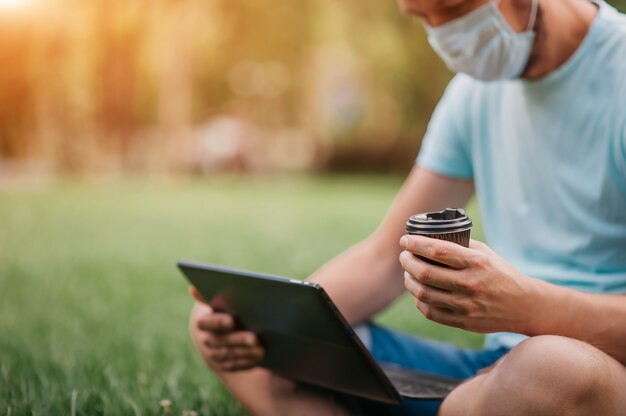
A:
(544, 375)
(411, 352)
(264, 393)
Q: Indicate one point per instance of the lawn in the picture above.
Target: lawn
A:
(93, 313)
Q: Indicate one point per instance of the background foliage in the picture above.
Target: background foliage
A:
(105, 86)
(111, 85)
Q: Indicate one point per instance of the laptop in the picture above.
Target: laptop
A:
(306, 338)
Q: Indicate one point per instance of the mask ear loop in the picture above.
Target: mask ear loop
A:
(533, 16)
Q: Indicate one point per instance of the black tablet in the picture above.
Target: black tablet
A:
(305, 336)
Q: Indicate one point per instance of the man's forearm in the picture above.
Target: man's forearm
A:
(367, 277)
(599, 320)
(362, 280)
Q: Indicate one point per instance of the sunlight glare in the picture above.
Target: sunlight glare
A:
(12, 3)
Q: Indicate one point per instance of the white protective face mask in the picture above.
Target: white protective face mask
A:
(483, 45)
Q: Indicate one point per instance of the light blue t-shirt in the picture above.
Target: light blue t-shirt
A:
(548, 159)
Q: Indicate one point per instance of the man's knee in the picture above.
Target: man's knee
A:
(551, 375)
(566, 367)
(544, 375)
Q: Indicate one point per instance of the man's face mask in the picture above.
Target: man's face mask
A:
(483, 45)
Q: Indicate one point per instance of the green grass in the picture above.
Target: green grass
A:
(91, 304)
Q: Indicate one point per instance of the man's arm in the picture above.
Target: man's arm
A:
(361, 281)
(482, 292)
(599, 320)
(367, 277)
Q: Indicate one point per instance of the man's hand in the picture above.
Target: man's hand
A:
(481, 292)
(222, 347)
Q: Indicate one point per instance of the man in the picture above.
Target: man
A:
(535, 125)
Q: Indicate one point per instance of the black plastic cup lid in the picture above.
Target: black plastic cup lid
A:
(450, 220)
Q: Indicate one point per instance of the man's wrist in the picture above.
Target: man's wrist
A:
(551, 310)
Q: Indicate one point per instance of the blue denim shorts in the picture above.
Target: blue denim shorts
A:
(394, 347)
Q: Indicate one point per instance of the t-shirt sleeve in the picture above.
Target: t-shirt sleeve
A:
(446, 148)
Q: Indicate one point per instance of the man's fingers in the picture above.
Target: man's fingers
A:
(431, 275)
(440, 315)
(236, 339)
(224, 354)
(242, 338)
(237, 365)
(202, 310)
(431, 295)
(196, 295)
(215, 340)
(446, 252)
(217, 322)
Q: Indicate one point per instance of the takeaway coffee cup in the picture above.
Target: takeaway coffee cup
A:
(451, 224)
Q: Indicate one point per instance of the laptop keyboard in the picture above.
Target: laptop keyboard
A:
(416, 385)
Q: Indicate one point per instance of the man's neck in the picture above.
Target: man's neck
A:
(561, 28)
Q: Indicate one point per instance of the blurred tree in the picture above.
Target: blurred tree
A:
(16, 97)
(117, 34)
